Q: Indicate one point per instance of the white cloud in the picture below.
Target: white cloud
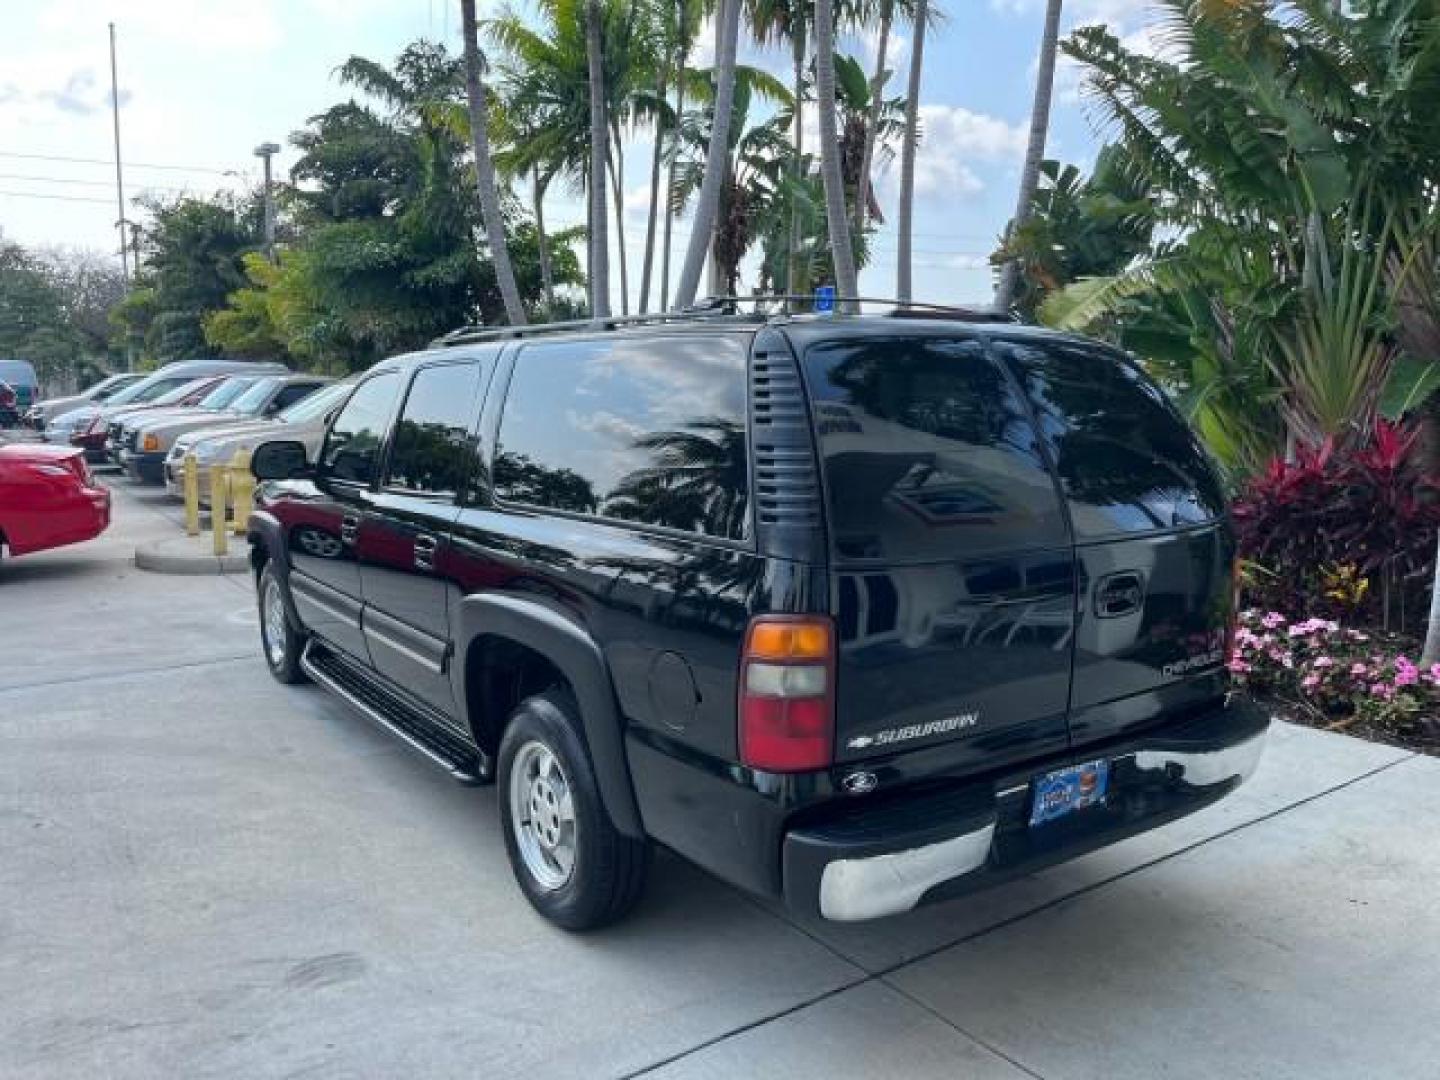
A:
(955, 131)
(966, 262)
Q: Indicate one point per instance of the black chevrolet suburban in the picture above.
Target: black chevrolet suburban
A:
(856, 611)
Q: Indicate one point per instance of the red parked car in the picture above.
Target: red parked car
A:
(48, 498)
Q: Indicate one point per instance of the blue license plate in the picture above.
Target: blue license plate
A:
(1067, 790)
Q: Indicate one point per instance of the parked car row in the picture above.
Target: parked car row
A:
(48, 496)
(135, 423)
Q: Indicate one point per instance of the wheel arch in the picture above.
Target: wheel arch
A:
(537, 634)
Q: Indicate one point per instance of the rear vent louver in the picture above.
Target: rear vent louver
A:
(787, 489)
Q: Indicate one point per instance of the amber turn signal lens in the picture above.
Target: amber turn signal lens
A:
(789, 640)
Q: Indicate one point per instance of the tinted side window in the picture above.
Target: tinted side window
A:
(650, 431)
(291, 394)
(927, 452)
(431, 451)
(1127, 461)
(355, 437)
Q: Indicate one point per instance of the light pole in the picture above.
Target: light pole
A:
(265, 151)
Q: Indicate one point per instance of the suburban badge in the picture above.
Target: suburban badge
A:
(958, 722)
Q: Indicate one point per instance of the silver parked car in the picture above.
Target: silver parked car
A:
(304, 421)
(42, 412)
(145, 445)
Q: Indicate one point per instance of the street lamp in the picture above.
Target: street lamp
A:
(265, 151)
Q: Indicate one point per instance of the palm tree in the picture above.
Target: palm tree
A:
(908, 146)
(773, 21)
(877, 83)
(756, 166)
(841, 243)
(708, 203)
(1035, 149)
(489, 195)
(686, 25)
(599, 157)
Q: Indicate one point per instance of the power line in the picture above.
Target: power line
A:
(128, 164)
(61, 198)
(82, 183)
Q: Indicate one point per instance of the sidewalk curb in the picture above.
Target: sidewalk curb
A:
(191, 556)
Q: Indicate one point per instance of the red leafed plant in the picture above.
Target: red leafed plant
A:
(1372, 509)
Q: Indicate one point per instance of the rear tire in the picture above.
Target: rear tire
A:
(570, 861)
(281, 641)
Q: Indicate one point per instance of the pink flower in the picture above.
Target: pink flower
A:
(1359, 670)
(1310, 682)
(1238, 667)
(1272, 620)
(1323, 662)
(1382, 690)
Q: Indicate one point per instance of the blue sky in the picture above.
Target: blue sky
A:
(202, 82)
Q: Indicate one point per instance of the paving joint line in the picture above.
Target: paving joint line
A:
(976, 1039)
(237, 657)
(882, 975)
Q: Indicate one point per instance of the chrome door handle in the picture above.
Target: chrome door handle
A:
(349, 528)
(425, 546)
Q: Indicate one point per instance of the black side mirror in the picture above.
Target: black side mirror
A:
(282, 459)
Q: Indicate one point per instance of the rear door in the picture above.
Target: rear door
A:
(952, 571)
(405, 547)
(1153, 547)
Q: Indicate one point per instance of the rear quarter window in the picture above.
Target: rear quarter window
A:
(647, 430)
(1127, 461)
(927, 452)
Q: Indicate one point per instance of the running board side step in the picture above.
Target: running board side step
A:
(403, 719)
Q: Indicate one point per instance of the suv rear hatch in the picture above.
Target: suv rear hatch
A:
(1154, 550)
(1027, 543)
(952, 574)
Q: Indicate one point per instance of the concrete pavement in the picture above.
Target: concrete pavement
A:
(205, 874)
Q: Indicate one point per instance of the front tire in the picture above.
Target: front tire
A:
(281, 641)
(572, 864)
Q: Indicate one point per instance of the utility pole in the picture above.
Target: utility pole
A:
(265, 151)
(119, 180)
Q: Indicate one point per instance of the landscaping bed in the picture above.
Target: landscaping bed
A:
(1317, 672)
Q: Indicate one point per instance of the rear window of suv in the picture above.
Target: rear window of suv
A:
(927, 452)
(1127, 461)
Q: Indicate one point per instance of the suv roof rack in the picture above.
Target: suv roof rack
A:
(723, 307)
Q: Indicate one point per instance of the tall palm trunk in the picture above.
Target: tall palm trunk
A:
(707, 205)
(547, 274)
(1431, 655)
(905, 224)
(653, 212)
(485, 185)
(872, 122)
(1035, 150)
(617, 181)
(798, 51)
(599, 139)
(842, 249)
(669, 187)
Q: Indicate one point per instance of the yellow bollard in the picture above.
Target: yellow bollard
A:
(242, 490)
(192, 496)
(219, 482)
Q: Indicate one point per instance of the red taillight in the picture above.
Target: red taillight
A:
(787, 682)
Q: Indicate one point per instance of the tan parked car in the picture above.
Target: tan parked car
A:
(304, 421)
